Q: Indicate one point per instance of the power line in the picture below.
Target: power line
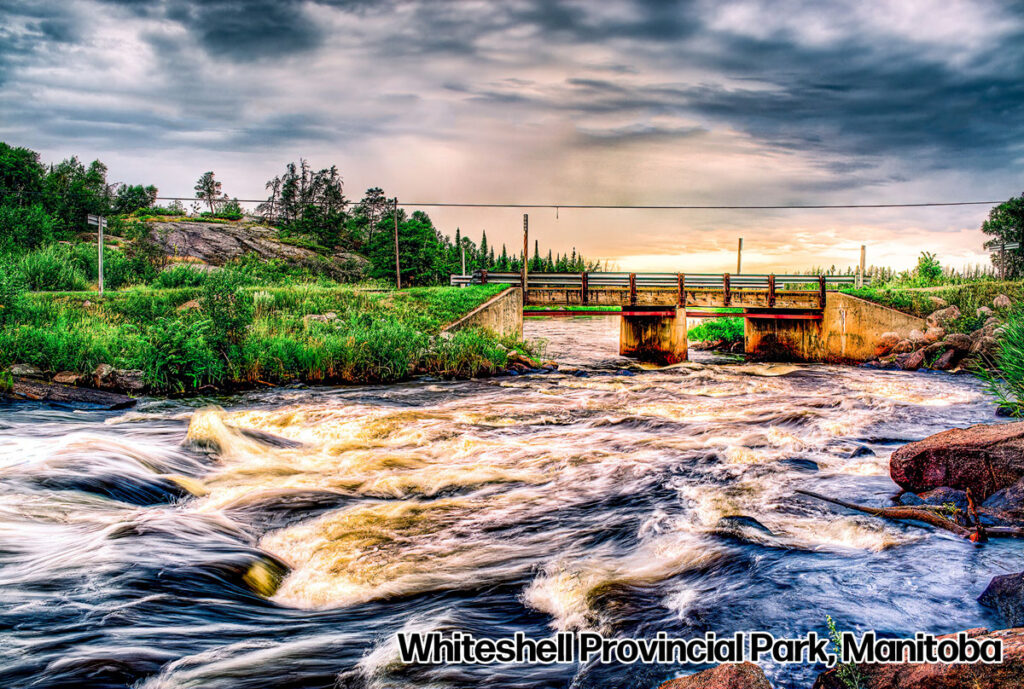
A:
(558, 206)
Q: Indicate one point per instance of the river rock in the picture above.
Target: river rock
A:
(68, 378)
(983, 312)
(984, 458)
(946, 361)
(985, 346)
(35, 390)
(1007, 505)
(886, 342)
(911, 361)
(1009, 673)
(934, 335)
(725, 676)
(916, 336)
(107, 377)
(942, 316)
(959, 341)
(25, 371)
(1002, 302)
(1005, 595)
(903, 346)
(945, 496)
(101, 375)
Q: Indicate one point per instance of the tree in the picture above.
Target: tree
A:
(24, 227)
(421, 247)
(208, 189)
(1006, 224)
(309, 203)
(73, 191)
(133, 197)
(21, 176)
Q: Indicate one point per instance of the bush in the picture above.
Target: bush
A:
(228, 306)
(118, 269)
(929, 271)
(25, 228)
(179, 275)
(12, 293)
(180, 357)
(52, 269)
(727, 329)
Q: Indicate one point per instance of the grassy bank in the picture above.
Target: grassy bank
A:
(967, 297)
(226, 333)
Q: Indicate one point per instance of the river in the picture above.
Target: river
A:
(132, 543)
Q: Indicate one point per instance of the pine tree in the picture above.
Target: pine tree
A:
(483, 251)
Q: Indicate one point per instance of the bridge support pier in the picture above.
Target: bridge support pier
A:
(656, 334)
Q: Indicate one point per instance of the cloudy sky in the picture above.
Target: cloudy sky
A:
(612, 102)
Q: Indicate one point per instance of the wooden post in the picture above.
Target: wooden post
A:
(725, 286)
(584, 289)
(821, 290)
(1002, 260)
(863, 256)
(526, 252)
(398, 266)
(739, 257)
(771, 290)
(632, 289)
(681, 279)
(101, 223)
(483, 276)
(463, 260)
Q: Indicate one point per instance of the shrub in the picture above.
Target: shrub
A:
(51, 269)
(929, 270)
(228, 306)
(25, 228)
(727, 329)
(12, 293)
(179, 356)
(179, 275)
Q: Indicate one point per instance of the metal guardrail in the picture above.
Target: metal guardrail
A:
(711, 281)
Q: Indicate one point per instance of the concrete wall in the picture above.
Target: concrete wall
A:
(655, 339)
(502, 314)
(849, 330)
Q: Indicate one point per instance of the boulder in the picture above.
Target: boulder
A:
(190, 305)
(934, 335)
(1005, 595)
(1009, 673)
(983, 312)
(515, 357)
(985, 346)
(1006, 505)
(911, 361)
(945, 496)
(27, 389)
(903, 346)
(946, 361)
(992, 322)
(25, 371)
(916, 336)
(984, 458)
(725, 676)
(886, 342)
(68, 378)
(942, 316)
(101, 375)
(1002, 302)
(128, 380)
(938, 302)
(959, 341)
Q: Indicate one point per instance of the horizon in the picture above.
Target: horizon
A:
(627, 103)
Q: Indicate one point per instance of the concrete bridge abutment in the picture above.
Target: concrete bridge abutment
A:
(656, 335)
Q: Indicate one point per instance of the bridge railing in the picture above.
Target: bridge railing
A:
(708, 281)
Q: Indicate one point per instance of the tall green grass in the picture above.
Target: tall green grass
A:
(711, 329)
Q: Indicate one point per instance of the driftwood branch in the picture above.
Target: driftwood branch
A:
(899, 513)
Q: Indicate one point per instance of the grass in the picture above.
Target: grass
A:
(727, 329)
(242, 335)
(966, 297)
(1004, 378)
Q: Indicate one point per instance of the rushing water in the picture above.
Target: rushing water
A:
(133, 546)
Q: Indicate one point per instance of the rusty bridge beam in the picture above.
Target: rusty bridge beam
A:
(681, 277)
(821, 291)
(725, 287)
(584, 288)
(771, 290)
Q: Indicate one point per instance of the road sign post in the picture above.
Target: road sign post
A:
(101, 224)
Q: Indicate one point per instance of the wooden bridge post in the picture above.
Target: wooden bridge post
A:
(584, 289)
(821, 291)
(632, 289)
(771, 290)
(526, 255)
(725, 286)
(681, 278)
(483, 276)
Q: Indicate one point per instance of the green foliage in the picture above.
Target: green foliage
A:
(179, 275)
(711, 329)
(847, 673)
(12, 294)
(966, 297)
(207, 189)
(1006, 380)
(227, 306)
(308, 203)
(73, 191)
(21, 176)
(929, 270)
(134, 197)
(180, 358)
(25, 227)
(173, 210)
(420, 247)
(1005, 223)
(52, 269)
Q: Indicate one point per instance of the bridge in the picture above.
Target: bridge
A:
(801, 317)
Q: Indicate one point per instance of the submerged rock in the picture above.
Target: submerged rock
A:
(984, 458)
(1005, 595)
(1007, 505)
(725, 676)
(34, 390)
(1009, 673)
(740, 521)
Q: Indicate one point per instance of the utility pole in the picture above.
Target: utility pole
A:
(398, 267)
(101, 224)
(739, 256)
(526, 250)
(860, 274)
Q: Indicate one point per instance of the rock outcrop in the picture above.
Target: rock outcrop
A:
(727, 676)
(217, 243)
(1009, 673)
(1005, 594)
(984, 458)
